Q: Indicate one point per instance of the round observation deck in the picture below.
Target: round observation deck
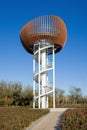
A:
(48, 27)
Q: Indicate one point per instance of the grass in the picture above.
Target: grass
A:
(18, 118)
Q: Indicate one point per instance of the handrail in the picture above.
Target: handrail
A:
(44, 94)
(47, 47)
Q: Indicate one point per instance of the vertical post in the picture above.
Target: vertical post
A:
(47, 102)
(39, 76)
(33, 83)
(44, 78)
(53, 78)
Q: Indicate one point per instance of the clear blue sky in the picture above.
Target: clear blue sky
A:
(71, 62)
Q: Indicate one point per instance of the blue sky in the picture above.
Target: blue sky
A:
(71, 62)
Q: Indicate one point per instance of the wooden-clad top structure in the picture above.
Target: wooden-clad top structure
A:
(48, 27)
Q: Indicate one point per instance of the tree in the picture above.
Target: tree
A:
(59, 96)
(3, 92)
(14, 91)
(75, 94)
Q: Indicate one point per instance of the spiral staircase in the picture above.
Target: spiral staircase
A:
(43, 66)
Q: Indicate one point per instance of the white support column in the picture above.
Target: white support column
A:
(44, 78)
(39, 77)
(33, 84)
(47, 101)
(47, 105)
(53, 77)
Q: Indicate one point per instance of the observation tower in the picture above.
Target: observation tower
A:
(43, 37)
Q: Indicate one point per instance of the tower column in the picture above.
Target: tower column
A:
(44, 77)
(53, 78)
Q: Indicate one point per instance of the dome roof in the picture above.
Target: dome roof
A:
(48, 27)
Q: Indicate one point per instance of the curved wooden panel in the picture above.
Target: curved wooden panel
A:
(49, 27)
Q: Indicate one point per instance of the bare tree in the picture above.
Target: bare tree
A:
(75, 95)
(59, 96)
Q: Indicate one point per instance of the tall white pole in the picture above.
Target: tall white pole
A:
(39, 76)
(33, 83)
(44, 82)
(53, 78)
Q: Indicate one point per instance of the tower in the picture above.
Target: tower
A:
(43, 37)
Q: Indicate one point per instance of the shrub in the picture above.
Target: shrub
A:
(75, 119)
(16, 118)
